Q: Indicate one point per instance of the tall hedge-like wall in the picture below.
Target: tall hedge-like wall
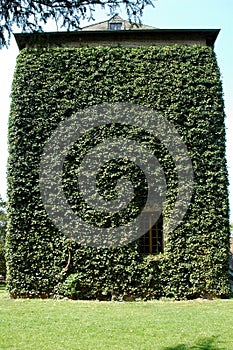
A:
(181, 83)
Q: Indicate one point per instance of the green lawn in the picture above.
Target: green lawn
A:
(65, 324)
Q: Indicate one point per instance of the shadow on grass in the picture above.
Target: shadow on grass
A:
(203, 344)
(2, 287)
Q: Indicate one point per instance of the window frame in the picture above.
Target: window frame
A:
(115, 24)
(150, 241)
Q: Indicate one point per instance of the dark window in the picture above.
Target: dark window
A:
(115, 26)
(152, 241)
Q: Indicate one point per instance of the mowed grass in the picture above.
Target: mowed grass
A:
(163, 325)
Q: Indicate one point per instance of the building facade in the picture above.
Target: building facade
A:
(173, 72)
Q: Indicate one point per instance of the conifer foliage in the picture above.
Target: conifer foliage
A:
(31, 16)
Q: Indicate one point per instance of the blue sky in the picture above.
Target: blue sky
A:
(166, 14)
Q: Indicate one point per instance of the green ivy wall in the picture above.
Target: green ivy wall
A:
(183, 84)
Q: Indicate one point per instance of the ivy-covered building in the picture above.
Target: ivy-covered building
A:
(173, 72)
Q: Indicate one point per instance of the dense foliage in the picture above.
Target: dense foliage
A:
(183, 84)
(2, 236)
(32, 15)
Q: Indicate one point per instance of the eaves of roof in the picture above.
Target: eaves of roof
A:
(106, 37)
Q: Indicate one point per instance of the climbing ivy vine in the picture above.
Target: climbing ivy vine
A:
(181, 83)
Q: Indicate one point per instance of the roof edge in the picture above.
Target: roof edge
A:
(83, 38)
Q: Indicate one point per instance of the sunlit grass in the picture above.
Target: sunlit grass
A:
(65, 324)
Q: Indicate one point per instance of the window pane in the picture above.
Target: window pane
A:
(152, 241)
(115, 26)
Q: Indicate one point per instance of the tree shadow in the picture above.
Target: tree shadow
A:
(203, 344)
